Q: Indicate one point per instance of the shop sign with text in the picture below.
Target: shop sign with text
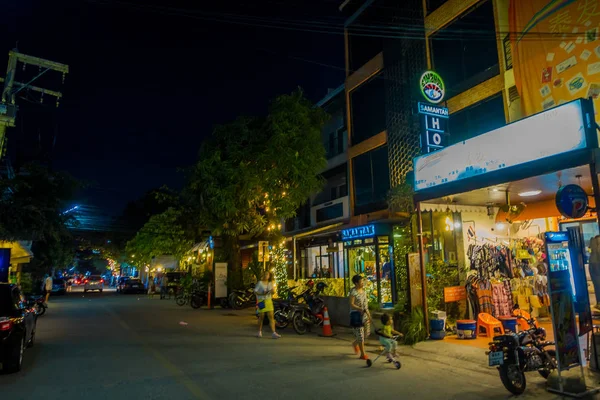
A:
(434, 125)
(550, 133)
(358, 232)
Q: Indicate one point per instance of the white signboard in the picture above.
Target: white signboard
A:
(547, 134)
(220, 280)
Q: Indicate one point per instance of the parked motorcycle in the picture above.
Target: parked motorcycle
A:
(516, 353)
(309, 313)
(239, 299)
(198, 298)
(284, 309)
(38, 304)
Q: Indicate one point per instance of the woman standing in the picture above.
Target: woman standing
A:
(360, 317)
(264, 293)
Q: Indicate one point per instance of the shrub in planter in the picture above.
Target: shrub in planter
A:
(413, 327)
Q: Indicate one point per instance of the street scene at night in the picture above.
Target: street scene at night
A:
(300, 199)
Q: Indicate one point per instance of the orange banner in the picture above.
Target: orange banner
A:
(556, 52)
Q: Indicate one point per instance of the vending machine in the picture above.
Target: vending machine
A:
(568, 292)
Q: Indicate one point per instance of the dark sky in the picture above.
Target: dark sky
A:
(147, 83)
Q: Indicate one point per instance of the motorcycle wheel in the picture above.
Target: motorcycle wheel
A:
(513, 379)
(238, 303)
(545, 373)
(41, 310)
(299, 324)
(281, 320)
(224, 303)
(180, 300)
(196, 301)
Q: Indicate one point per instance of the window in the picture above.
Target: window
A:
(371, 180)
(480, 118)
(465, 52)
(368, 109)
(362, 45)
(336, 141)
(331, 212)
(335, 186)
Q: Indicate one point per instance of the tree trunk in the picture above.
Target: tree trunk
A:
(234, 263)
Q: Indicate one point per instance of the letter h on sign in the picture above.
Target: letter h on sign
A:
(435, 132)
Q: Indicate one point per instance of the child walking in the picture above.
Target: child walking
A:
(386, 338)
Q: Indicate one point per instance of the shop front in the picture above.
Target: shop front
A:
(496, 195)
(368, 251)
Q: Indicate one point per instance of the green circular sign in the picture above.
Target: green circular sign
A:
(432, 87)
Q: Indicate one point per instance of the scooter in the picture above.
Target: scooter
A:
(239, 299)
(310, 313)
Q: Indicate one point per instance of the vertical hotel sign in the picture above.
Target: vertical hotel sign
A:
(433, 118)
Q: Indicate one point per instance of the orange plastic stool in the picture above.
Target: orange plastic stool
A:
(489, 323)
(524, 325)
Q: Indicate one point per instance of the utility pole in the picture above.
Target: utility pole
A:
(8, 106)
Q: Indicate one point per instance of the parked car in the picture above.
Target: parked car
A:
(134, 285)
(59, 286)
(122, 282)
(17, 327)
(93, 282)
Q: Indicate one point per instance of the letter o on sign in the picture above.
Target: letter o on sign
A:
(437, 139)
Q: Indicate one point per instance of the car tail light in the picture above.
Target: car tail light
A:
(6, 325)
(101, 280)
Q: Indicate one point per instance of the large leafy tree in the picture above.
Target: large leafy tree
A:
(163, 234)
(254, 172)
(33, 206)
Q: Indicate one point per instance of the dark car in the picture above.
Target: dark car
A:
(17, 327)
(59, 286)
(122, 282)
(134, 285)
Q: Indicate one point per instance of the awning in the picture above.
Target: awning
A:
(452, 207)
(201, 245)
(322, 231)
(20, 252)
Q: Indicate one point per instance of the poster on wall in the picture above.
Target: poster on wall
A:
(414, 279)
(220, 280)
(556, 52)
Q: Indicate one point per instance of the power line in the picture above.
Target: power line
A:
(407, 31)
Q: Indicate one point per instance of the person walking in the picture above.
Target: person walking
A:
(264, 296)
(360, 317)
(47, 286)
(164, 286)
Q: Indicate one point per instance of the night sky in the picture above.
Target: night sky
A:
(149, 80)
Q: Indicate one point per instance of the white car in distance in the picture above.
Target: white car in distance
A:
(93, 282)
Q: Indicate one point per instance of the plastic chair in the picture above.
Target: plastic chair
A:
(524, 325)
(489, 323)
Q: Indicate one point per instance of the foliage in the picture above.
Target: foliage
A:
(33, 204)
(413, 327)
(400, 198)
(163, 234)
(153, 202)
(253, 271)
(253, 172)
(439, 276)
(278, 264)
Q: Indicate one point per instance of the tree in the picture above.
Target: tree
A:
(254, 172)
(163, 234)
(33, 207)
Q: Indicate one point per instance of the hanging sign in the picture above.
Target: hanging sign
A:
(454, 293)
(572, 201)
(432, 87)
(434, 125)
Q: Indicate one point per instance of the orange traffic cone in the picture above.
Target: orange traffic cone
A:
(327, 332)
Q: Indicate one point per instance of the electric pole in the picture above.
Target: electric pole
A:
(8, 106)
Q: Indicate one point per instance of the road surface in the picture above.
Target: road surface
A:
(111, 346)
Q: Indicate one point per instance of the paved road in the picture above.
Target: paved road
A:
(111, 346)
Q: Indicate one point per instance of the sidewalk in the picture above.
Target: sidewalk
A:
(446, 353)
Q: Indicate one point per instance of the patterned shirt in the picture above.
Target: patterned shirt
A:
(360, 298)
